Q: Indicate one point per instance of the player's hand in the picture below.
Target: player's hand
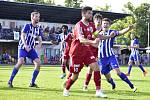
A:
(131, 26)
(27, 48)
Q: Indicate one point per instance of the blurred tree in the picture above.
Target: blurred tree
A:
(105, 8)
(49, 2)
(139, 15)
(73, 3)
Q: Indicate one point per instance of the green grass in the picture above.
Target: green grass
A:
(50, 86)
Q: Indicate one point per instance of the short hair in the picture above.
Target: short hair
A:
(85, 9)
(107, 19)
(64, 26)
(34, 12)
(98, 16)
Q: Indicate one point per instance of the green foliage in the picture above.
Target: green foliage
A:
(105, 8)
(73, 3)
(49, 2)
(121, 24)
(142, 18)
(139, 15)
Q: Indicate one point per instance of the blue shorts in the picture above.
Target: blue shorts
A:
(107, 64)
(134, 57)
(31, 54)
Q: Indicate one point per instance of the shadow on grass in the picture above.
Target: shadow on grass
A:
(31, 89)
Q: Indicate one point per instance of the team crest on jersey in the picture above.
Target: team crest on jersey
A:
(90, 29)
(92, 57)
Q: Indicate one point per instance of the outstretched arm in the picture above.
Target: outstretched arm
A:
(125, 30)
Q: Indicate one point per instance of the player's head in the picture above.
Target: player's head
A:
(35, 17)
(64, 28)
(87, 13)
(132, 36)
(106, 22)
(97, 19)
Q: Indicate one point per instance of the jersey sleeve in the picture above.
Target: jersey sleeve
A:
(26, 28)
(116, 32)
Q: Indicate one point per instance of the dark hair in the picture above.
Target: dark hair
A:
(64, 26)
(97, 16)
(35, 12)
(85, 9)
(106, 19)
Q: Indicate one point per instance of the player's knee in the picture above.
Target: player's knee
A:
(94, 66)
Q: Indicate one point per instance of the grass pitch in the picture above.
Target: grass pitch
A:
(51, 85)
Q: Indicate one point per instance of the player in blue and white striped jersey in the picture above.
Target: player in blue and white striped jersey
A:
(134, 56)
(107, 59)
(26, 48)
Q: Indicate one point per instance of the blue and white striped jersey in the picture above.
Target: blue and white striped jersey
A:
(31, 33)
(106, 46)
(133, 43)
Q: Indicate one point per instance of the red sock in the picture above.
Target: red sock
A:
(97, 80)
(88, 78)
(69, 83)
(63, 68)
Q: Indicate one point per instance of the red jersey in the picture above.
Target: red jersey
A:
(68, 40)
(85, 31)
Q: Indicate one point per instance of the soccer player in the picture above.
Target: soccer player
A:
(26, 47)
(134, 56)
(107, 59)
(97, 21)
(80, 52)
(64, 58)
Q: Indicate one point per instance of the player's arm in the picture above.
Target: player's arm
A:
(40, 41)
(136, 46)
(104, 37)
(125, 30)
(23, 32)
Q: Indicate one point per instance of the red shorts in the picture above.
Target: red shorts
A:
(78, 61)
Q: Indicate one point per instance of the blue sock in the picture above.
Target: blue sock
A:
(125, 78)
(111, 81)
(14, 72)
(35, 74)
(141, 67)
(129, 69)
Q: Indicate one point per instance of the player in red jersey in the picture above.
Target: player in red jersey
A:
(65, 58)
(97, 21)
(80, 52)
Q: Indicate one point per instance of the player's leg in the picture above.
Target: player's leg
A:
(21, 55)
(115, 66)
(69, 83)
(130, 63)
(63, 66)
(87, 79)
(75, 68)
(110, 80)
(97, 79)
(137, 63)
(33, 55)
